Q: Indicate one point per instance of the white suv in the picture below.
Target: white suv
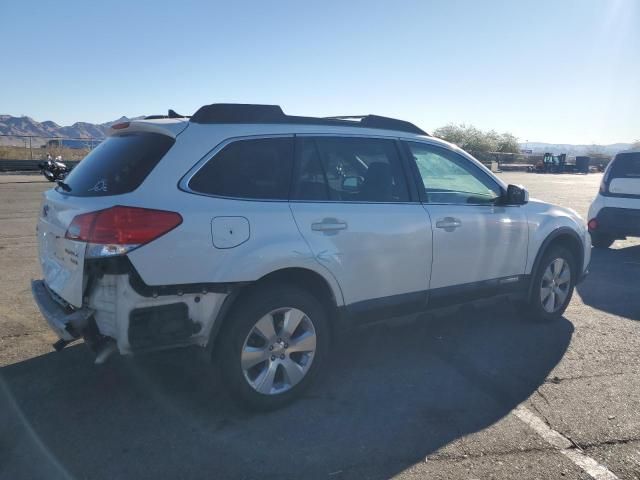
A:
(259, 235)
(615, 212)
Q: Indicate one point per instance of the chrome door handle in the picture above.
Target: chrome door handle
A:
(328, 225)
(448, 223)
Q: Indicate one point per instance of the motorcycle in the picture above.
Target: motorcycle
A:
(54, 170)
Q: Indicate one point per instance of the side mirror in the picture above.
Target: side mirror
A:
(516, 195)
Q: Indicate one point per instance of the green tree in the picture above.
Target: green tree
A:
(473, 139)
(508, 143)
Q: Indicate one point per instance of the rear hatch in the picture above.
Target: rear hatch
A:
(623, 177)
(101, 180)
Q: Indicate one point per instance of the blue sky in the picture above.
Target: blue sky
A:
(545, 70)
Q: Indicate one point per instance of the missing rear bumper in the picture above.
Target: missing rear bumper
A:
(66, 322)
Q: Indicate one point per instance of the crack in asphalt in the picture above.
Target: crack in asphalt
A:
(546, 420)
(558, 380)
(611, 442)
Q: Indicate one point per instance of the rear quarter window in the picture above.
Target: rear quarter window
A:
(626, 165)
(118, 165)
(257, 169)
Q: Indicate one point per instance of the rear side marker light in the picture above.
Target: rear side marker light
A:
(120, 229)
(120, 126)
(593, 224)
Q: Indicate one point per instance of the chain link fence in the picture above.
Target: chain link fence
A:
(28, 147)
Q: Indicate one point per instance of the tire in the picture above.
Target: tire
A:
(601, 241)
(49, 176)
(256, 349)
(551, 290)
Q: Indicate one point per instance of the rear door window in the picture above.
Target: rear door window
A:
(118, 165)
(253, 169)
(350, 169)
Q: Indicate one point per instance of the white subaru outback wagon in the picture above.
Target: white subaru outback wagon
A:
(259, 235)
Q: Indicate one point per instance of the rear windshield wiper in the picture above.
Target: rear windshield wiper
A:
(63, 185)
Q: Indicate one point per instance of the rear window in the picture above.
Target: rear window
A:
(118, 165)
(253, 169)
(626, 165)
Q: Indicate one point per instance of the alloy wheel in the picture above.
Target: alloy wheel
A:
(278, 351)
(555, 285)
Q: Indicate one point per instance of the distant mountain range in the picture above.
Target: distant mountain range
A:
(10, 125)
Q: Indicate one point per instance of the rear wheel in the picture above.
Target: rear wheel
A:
(552, 284)
(601, 241)
(273, 346)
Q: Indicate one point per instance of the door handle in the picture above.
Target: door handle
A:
(448, 223)
(329, 225)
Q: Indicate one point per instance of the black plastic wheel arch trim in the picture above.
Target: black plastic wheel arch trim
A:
(558, 232)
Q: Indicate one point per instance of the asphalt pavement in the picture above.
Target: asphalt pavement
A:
(475, 392)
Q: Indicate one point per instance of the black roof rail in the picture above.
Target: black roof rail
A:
(250, 113)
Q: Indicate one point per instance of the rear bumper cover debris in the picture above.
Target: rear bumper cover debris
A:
(66, 323)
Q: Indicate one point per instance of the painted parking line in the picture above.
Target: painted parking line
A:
(561, 443)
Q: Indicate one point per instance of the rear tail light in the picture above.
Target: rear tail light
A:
(593, 224)
(118, 230)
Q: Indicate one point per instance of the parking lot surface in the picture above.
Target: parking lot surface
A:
(473, 392)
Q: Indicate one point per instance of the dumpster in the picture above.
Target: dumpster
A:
(582, 164)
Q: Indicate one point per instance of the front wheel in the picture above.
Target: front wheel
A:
(552, 284)
(273, 346)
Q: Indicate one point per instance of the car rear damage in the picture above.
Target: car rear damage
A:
(119, 312)
(86, 229)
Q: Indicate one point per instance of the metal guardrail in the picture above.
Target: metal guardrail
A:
(26, 165)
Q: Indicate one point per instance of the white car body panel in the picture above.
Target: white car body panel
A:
(274, 244)
(383, 250)
(490, 243)
(543, 219)
(602, 201)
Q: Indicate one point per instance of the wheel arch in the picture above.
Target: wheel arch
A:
(305, 278)
(562, 236)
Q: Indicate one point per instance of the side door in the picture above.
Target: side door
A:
(351, 202)
(478, 243)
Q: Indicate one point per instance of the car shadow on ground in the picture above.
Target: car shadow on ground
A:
(613, 284)
(393, 395)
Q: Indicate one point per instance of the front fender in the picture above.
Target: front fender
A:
(547, 223)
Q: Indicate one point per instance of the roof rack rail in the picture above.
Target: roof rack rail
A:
(250, 113)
